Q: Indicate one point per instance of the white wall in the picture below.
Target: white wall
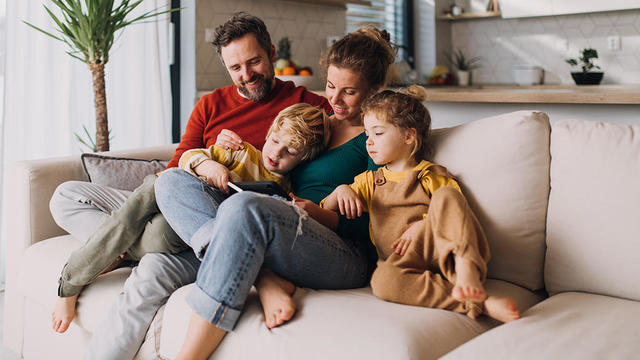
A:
(548, 41)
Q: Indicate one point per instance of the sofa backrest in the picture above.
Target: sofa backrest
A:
(593, 225)
(502, 163)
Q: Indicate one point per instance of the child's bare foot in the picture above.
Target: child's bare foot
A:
(468, 285)
(275, 296)
(63, 312)
(502, 308)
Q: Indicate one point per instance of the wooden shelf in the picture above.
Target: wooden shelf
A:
(471, 16)
(333, 2)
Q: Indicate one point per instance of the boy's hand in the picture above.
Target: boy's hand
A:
(402, 244)
(216, 174)
(349, 202)
(229, 140)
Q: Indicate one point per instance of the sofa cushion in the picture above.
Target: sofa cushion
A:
(565, 326)
(117, 172)
(502, 163)
(343, 324)
(40, 272)
(593, 227)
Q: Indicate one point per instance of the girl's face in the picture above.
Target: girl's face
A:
(278, 155)
(346, 91)
(387, 144)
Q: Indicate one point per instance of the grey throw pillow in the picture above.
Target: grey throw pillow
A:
(119, 173)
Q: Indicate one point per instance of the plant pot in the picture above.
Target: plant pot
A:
(464, 78)
(587, 78)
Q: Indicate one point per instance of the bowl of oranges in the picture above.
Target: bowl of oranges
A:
(288, 70)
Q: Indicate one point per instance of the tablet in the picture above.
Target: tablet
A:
(263, 187)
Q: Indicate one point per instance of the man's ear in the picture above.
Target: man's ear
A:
(410, 136)
(273, 53)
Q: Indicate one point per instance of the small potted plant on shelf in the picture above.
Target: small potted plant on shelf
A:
(463, 65)
(586, 76)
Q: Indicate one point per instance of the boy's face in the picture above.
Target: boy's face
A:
(277, 155)
(249, 66)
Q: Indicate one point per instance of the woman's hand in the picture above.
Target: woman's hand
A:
(325, 217)
(349, 202)
(216, 174)
(229, 140)
(402, 244)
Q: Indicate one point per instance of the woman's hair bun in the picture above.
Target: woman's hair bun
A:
(375, 33)
(417, 92)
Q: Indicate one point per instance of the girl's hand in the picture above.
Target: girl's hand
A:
(216, 174)
(325, 217)
(349, 202)
(229, 140)
(402, 244)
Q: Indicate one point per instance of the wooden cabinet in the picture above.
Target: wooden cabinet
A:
(523, 8)
(518, 8)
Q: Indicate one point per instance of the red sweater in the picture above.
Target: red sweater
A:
(225, 109)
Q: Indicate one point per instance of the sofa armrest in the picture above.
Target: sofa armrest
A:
(30, 185)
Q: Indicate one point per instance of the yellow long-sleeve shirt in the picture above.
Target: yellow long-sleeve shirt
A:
(244, 165)
(363, 184)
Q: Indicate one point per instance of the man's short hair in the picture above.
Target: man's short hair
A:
(239, 25)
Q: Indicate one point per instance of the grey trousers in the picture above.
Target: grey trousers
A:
(135, 229)
(80, 208)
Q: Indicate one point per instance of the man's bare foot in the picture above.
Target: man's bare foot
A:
(275, 296)
(502, 308)
(468, 285)
(63, 312)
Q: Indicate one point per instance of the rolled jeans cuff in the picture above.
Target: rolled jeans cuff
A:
(65, 289)
(212, 310)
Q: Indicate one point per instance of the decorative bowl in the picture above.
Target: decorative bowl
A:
(298, 80)
(587, 78)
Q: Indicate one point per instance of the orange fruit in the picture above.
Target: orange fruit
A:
(277, 71)
(289, 70)
(304, 73)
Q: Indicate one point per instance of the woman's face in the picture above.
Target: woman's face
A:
(346, 90)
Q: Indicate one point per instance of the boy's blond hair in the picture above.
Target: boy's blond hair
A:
(308, 127)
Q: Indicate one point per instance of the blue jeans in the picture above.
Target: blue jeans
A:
(248, 231)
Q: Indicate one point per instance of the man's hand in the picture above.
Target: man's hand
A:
(402, 244)
(216, 174)
(227, 139)
(349, 202)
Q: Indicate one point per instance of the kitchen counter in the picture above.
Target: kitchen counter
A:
(546, 94)
(535, 94)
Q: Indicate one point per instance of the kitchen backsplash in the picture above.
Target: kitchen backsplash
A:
(547, 41)
(306, 25)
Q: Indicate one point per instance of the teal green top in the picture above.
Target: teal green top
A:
(315, 180)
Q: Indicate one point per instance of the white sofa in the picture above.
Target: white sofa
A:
(561, 208)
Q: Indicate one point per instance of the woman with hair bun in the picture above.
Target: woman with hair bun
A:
(279, 245)
(432, 250)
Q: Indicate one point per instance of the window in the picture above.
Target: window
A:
(391, 15)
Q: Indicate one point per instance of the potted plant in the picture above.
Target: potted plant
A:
(463, 65)
(88, 29)
(586, 76)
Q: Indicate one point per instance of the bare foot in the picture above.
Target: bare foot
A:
(468, 285)
(502, 308)
(63, 312)
(275, 296)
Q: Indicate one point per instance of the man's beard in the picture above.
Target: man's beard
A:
(260, 92)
